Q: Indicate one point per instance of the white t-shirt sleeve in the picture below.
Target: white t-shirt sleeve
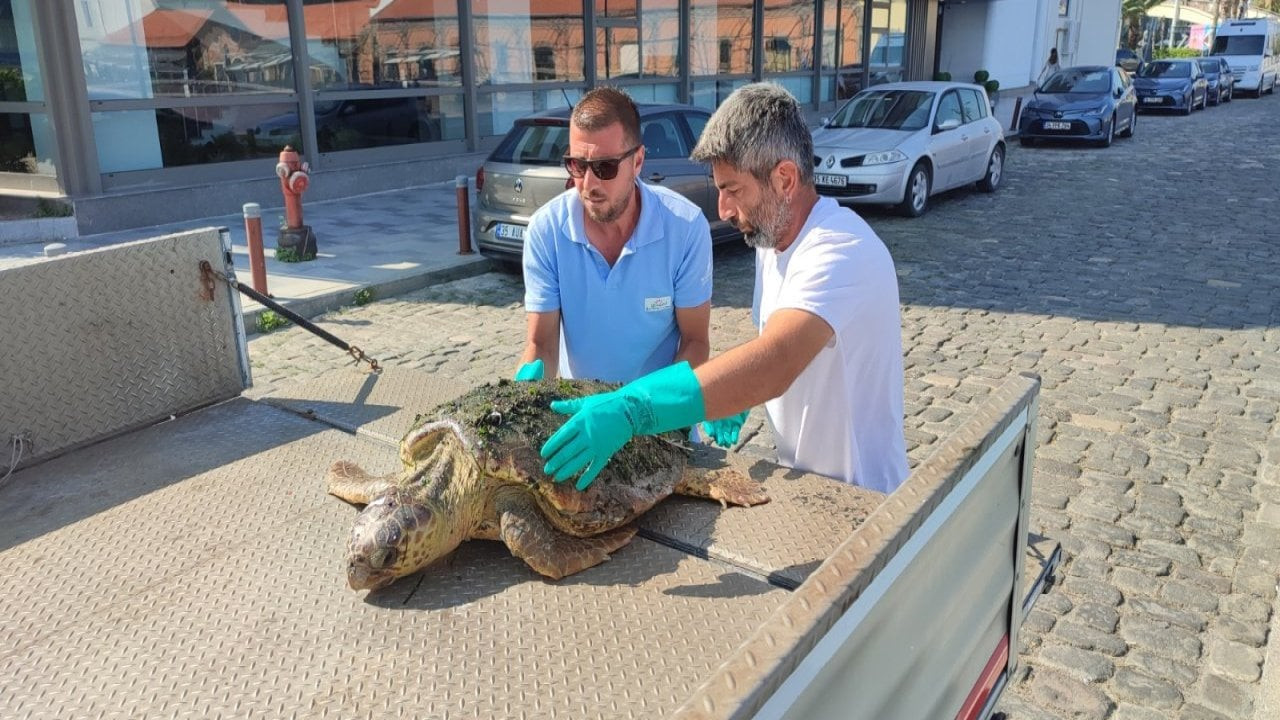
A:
(541, 276)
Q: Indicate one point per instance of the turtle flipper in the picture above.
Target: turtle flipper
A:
(547, 550)
(728, 485)
(348, 481)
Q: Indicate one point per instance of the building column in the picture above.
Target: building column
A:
(66, 97)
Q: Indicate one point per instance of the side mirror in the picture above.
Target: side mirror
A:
(948, 124)
(823, 122)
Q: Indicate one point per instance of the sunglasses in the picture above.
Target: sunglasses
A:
(603, 169)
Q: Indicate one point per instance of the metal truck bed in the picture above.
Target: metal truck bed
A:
(160, 561)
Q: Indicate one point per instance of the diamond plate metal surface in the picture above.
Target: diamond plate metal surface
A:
(380, 405)
(103, 341)
(194, 569)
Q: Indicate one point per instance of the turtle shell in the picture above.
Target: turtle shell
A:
(505, 424)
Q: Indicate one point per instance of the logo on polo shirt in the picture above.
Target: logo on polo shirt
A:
(657, 304)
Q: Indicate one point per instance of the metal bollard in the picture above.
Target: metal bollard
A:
(1017, 111)
(253, 231)
(464, 215)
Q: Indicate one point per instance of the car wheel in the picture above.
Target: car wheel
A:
(995, 170)
(1204, 101)
(915, 199)
(1186, 109)
(1110, 135)
(1230, 92)
(1133, 124)
(1217, 97)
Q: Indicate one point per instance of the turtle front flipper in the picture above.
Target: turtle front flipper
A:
(728, 485)
(547, 550)
(348, 481)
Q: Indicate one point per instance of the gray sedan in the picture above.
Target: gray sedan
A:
(527, 169)
(901, 143)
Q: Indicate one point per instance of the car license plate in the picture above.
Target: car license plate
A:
(509, 232)
(832, 180)
(1056, 125)
(1153, 100)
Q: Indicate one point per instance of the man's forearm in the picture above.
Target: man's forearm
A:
(695, 352)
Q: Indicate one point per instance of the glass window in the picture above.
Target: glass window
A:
(637, 39)
(376, 122)
(949, 109)
(842, 34)
(507, 34)
(972, 106)
(662, 139)
(389, 44)
(19, 63)
(720, 37)
(887, 55)
(26, 144)
(137, 49)
(801, 87)
(496, 112)
(710, 93)
(788, 36)
(172, 137)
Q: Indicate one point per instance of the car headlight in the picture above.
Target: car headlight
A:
(883, 157)
(1096, 110)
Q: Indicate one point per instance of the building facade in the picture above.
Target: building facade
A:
(133, 108)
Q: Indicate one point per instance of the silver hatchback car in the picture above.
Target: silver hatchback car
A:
(901, 143)
(527, 169)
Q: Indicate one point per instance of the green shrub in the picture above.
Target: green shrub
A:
(992, 86)
(291, 255)
(364, 296)
(46, 208)
(942, 76)
(1179, 52)
(981, 76)
(269, 320)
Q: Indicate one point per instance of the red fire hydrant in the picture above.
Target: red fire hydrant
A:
(294, 178)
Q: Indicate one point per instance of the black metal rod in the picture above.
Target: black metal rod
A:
(295, 317)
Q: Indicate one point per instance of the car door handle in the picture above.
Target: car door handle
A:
(964, 138)
(657, 177)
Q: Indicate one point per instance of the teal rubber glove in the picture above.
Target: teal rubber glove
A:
(530, 371)
(725, 430)
(601, 424)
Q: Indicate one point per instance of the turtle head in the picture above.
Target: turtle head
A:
(395, 535)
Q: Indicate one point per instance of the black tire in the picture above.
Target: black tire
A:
(1191, 99)
(995, 170)
(1217, 98)
(1133, 125)
(1204, 101)
(915, 196)
(1230, 92)
(1111, 133)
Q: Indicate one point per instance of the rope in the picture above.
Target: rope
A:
(20, 443)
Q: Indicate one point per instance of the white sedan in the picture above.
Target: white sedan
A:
(900, 143)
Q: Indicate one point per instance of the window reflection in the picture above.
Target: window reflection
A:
(496, 112)
(172, 137)
(400, 43)
(525, 42)
(26, 144)
(19, 63)
(637, 39)
(888, 41)
(788, 36)
(842, 24)
(720, 37)
(355, 124)
(143, 49)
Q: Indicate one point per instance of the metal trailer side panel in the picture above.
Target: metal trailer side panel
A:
(978, 469)
(108, 340)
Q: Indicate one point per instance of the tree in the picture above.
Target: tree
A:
(1133, 11)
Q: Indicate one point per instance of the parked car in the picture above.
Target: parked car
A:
(1085, 102)
(901, 143)
(1173, 84)
(1127, 60)
(526, 171)
(1222, 84)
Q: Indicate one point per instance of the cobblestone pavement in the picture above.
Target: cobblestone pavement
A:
(1141, 283)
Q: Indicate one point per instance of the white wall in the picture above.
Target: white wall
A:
(1009, 45)
(1099, 31)
(961, 46)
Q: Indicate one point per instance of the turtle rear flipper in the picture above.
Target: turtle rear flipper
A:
(547, 550)
(728, 485)
(348, 481)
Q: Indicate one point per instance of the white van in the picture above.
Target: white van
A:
(1252, 47)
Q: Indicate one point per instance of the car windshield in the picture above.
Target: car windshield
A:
(888, 109)
(533, 143)
(1210, 66)
(1078, 81)
(1165, 69)
(1237, 45)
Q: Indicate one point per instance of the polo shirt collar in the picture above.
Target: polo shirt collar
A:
(653, 227)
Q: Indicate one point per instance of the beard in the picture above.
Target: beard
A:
(608, 213)
(775, 216)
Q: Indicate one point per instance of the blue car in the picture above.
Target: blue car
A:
(1173, 84)
(1222, 84)
(1086, 102)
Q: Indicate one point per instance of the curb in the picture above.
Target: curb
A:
(313, 306)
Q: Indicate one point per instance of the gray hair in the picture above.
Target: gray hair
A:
(757, 127)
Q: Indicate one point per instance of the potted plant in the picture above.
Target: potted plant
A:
(980, 77)
(993, 91)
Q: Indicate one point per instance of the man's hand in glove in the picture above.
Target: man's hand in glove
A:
(725, 430)
(529, 371)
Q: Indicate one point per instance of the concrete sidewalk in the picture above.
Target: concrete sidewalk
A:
(390, 242)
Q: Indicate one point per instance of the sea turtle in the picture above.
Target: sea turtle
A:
(471, 470)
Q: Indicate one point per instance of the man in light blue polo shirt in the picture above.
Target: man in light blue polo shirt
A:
(624, 268)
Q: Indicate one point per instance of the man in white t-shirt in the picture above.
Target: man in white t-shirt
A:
(828, 361)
